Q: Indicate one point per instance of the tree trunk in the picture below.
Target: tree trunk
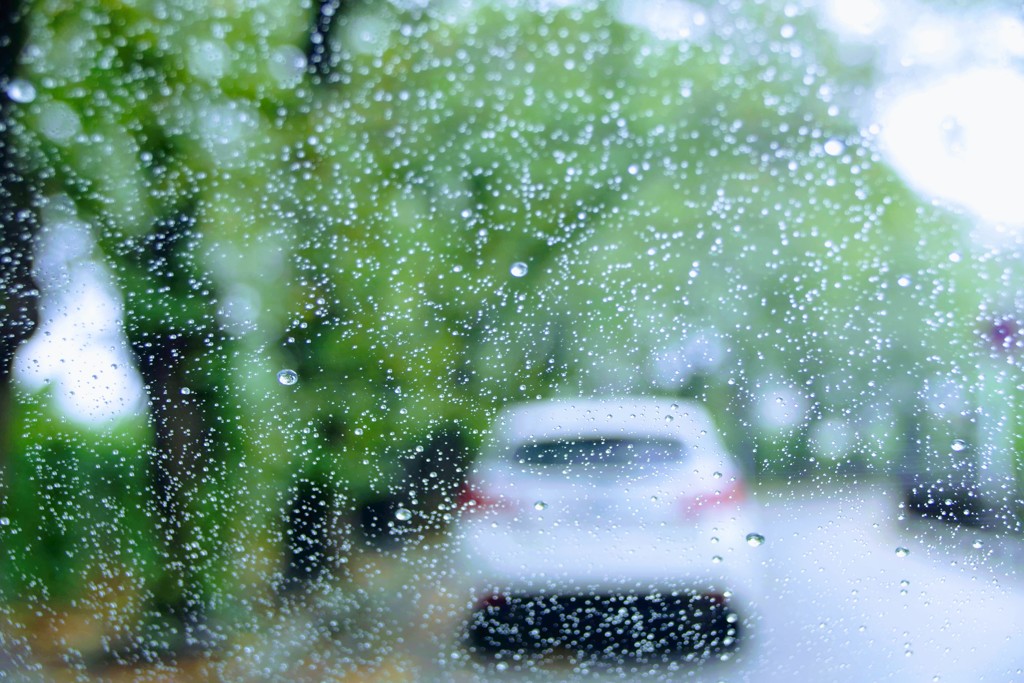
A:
(18, 228)
(320, 59)
(181, 359)
(180, 433)
(311, 509)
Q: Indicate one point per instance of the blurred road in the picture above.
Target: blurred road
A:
(842, 605)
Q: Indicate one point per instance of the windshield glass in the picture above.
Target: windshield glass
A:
(277, 275)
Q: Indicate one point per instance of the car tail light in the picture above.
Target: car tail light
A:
(716, 599)
(492, 601)
(475, 499)
(729, 496)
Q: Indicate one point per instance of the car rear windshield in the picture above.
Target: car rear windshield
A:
(599, 451)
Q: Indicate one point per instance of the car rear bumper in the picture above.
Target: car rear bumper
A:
(605, 624)
(625, 594)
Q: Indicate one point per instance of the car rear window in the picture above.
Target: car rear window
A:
(600, 451)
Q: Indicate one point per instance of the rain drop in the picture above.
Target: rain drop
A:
(21, 91)
(754, 540)
(540, 505)
(287, 377)
(518, 269)
(902, 552)
(958, 445)
(717, 559)
(403, 514)
(5, 521)
(834, 147)
(903, 280)
(977, 545)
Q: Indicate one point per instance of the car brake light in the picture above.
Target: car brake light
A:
(475, 499)
(491, 600)
(719, 499)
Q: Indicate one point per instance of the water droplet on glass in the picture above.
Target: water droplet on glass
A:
(21, 91)
(958, 445)
(5, 521)
(717, 475)
(716, 559)
(754, 540)
(977, 545)
(902, 552)
(540, 505)
(669, 418)
(518, 269)
(403, 514)
(834, 147)
(903, 280)
(287, 377)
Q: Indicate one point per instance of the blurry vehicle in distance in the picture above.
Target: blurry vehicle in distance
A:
(608, 527)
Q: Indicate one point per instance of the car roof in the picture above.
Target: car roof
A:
(581, 418)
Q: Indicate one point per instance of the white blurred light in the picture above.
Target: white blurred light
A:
(959, 138)
(664, 19)
(80, 350)
(780, 407)
(859, 17)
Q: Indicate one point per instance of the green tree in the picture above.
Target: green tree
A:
(151, 116)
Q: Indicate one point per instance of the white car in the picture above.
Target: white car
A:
(608, 527)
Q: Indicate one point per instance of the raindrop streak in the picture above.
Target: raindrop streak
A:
(287, 377)
(958, 445)
(518, 269)
(754, 540)
(902, 552)
(540, 505)
(403, 514)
